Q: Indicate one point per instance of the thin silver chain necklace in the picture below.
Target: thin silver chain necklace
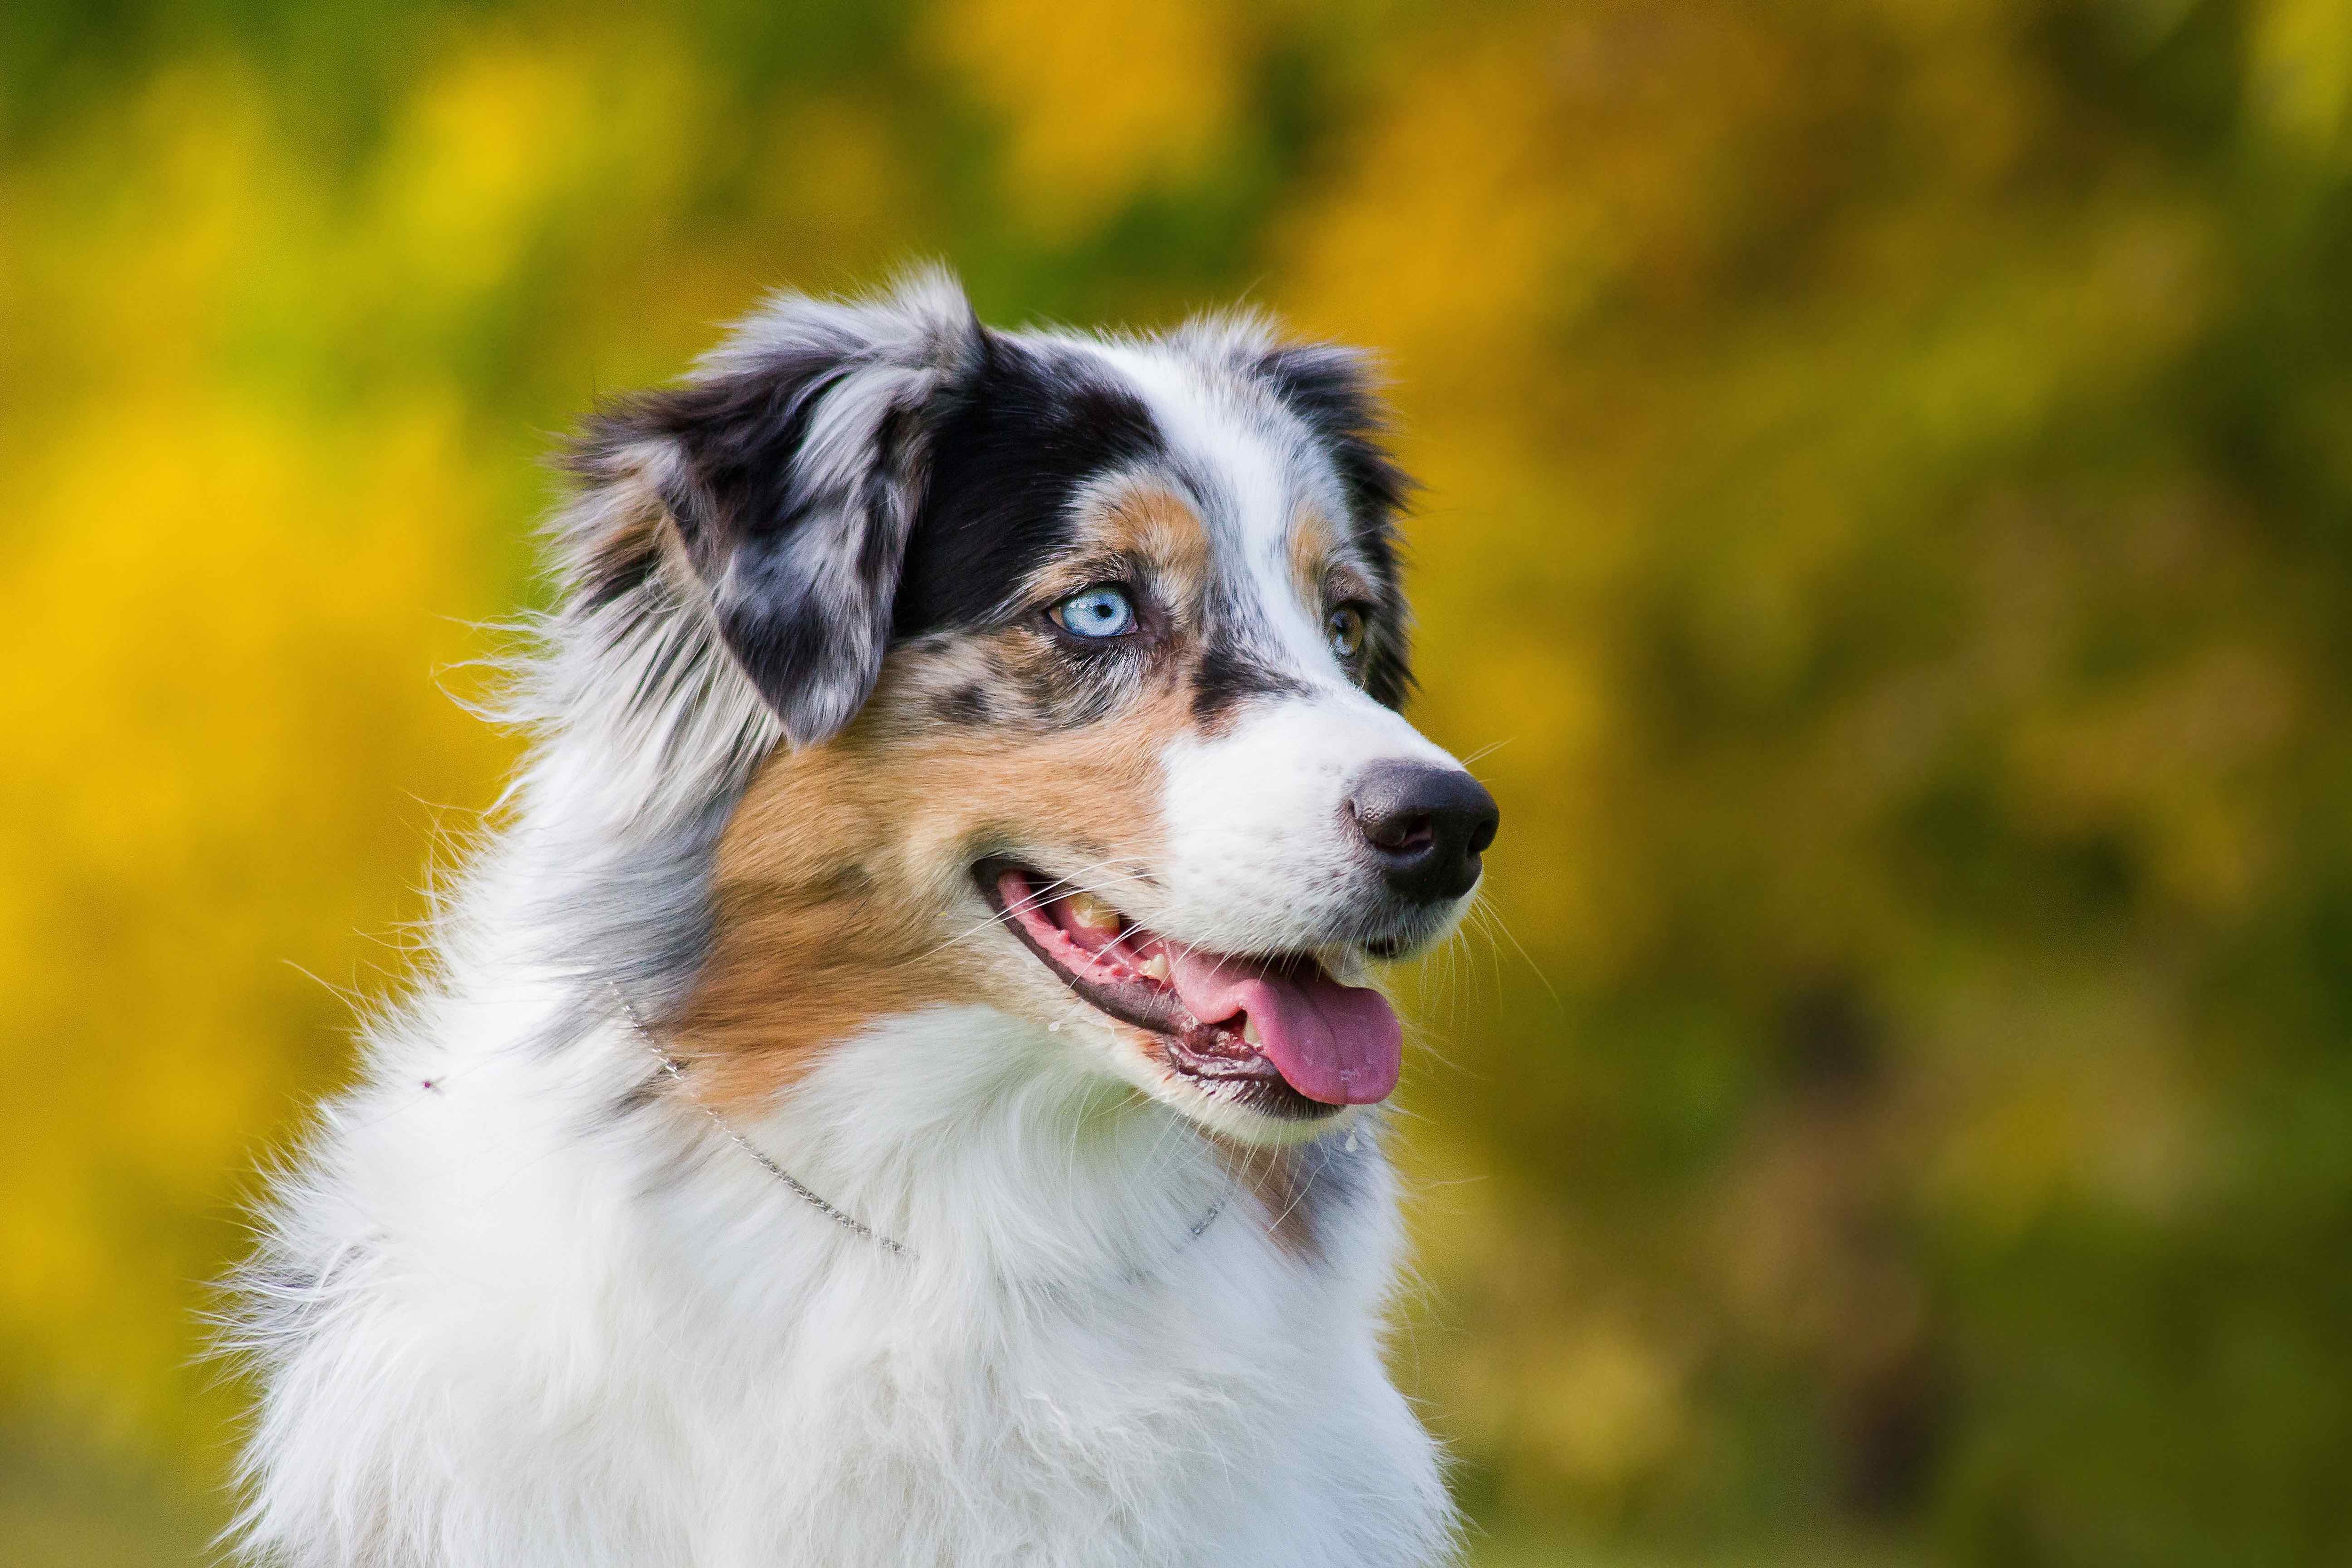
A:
(676, 1071)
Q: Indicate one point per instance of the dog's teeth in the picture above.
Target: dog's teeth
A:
(1091, 915)
(1249, 1031)
(1154, 968)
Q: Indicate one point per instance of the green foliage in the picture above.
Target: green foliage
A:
(1889, 465)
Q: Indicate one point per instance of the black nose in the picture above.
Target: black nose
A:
(1427, 826)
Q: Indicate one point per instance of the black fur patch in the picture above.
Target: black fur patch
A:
(619, 566)
(641, 1094)
(798, 545)
(1030, 431)
(964, 705)
(739, 434)
(1329, 389)
(742, 505)
(1229, 675)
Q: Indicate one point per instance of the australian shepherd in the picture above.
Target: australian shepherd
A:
(899, 1084)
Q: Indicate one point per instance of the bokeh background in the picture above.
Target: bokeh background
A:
(1889, 538)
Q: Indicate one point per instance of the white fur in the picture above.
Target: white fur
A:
(1257, 858)
(501, 1322)
(536, 1338)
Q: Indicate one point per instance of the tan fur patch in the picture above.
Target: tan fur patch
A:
(1159, 528)
(1321, 564)
(842, 881)
(1144, 528)
(1314, 547)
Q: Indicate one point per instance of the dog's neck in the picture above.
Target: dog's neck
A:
(968, 1136)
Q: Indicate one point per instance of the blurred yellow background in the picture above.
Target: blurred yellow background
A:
(1888, 537)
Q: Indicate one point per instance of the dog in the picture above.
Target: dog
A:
(895, 1083)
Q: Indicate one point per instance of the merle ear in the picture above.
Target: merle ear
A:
(792, 464)
(1334, 393)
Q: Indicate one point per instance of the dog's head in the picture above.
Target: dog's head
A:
(1086, 654)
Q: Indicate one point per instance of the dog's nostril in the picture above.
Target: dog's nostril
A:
(1427, 826)
(1399, 833)
(1484, 835)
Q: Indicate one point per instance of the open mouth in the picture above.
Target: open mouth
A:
(1276, 1034)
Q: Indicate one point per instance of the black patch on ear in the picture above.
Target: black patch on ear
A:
(741, 507)
(791, 472)
(1329, 389)
(619, 566)
(1032, 429)
(1388, 665)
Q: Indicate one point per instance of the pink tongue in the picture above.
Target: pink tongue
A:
(1337, 1044)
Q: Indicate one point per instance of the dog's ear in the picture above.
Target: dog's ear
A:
(1334, 391)
(789, 467)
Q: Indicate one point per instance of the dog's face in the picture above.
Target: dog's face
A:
(1094, 694)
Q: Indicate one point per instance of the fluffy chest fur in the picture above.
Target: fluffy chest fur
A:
(538, 1335)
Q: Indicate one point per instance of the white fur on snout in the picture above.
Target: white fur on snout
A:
(1263, 854)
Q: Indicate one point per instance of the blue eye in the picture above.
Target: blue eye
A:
(1101, 611)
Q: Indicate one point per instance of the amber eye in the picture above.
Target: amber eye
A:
(1345, 628)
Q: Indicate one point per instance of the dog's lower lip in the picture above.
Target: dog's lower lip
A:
(1145, 1002)
(1212, 1053)
(1136, 997)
